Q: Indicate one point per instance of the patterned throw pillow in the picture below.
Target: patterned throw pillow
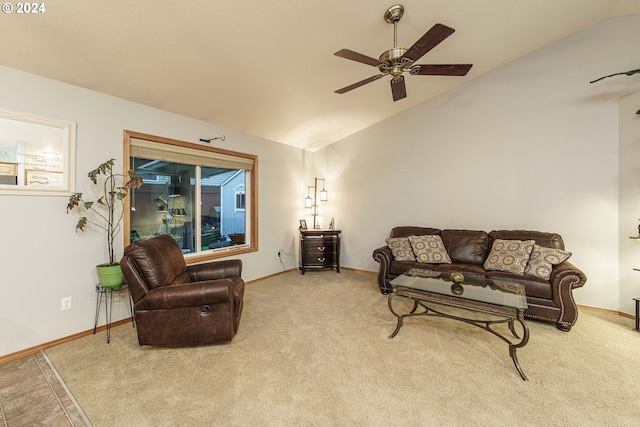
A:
(400, 248)
(429, 249)
(510, 256)
(543, 259)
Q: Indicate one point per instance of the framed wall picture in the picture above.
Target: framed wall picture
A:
(303, 224)
(37, 154)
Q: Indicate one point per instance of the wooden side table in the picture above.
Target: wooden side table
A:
(319, 249)
(107, 294)
(637, 300)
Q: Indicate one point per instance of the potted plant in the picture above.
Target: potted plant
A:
(162, 203)
(237, 238)
(105, 215)
(625, 73)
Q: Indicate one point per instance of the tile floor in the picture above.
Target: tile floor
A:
(32, 394)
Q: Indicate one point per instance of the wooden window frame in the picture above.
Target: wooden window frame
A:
(252, 216)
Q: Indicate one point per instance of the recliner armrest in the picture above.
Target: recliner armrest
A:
(215, 270)
(187, 295)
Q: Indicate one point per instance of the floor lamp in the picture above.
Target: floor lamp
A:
(312, 203)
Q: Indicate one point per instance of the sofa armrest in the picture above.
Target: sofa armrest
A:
(187, 295)
(569, 273)
(384, 256)
(383, 252)
(566, 277)
(215, 270)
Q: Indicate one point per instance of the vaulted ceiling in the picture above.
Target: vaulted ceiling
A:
(266, 67)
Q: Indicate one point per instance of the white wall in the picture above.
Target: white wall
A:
(629, 199)
(41, 258)
(531, 145)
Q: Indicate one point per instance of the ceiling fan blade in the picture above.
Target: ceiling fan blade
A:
(358, 84)
(441, 69)
(428, 41)
(358, 57)
(398, 88)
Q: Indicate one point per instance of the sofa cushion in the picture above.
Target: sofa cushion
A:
(429, 249)
(400, 248)
(466, 246)
(510, 256)
(406, 231)
(543, 259)
(399, 267)
(475, 270)
(533, 286)
(547, 240)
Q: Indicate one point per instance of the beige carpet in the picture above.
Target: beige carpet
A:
(313, 350)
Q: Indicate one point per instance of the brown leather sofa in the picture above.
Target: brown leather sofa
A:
(548, 300)
(176, 305)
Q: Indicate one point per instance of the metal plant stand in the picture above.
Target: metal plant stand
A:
(107, 294)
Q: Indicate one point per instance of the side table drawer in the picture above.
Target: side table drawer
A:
(318, 246)
(321, 260)
(319, 249)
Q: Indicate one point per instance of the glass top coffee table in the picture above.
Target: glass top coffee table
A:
(504, 301)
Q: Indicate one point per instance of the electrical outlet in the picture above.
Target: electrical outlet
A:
(278, 256)
(65, 303)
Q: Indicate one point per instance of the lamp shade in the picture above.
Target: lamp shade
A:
(308, 202)
(324, 195)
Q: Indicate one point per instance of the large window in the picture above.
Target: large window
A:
(203, 197)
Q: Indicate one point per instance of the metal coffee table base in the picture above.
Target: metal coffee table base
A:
(511, 315)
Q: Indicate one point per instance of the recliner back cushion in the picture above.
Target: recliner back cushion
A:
(547, 240)
(160, 260)
(466, 246)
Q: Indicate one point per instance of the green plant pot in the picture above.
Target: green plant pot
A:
(110, 275)
(237, 238)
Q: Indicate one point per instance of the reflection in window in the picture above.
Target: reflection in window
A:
(219, 217)
(202, 206)
(239, 190)
(164, 203)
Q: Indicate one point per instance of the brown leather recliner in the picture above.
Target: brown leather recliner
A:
(176, 305)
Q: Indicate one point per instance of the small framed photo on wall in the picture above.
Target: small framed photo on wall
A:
(303, 224)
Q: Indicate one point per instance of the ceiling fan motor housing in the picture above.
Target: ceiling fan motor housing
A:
(394, 63)
(393, 55)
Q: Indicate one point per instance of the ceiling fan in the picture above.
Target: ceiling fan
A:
(398, 60)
